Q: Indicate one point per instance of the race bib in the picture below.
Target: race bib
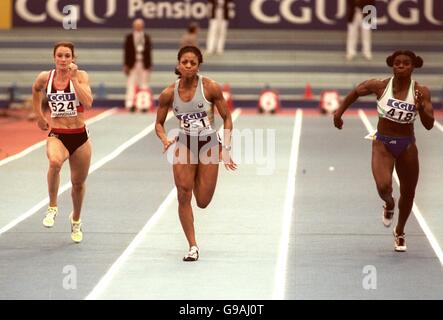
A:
(194, 122)
(401, 111)
(62, 104)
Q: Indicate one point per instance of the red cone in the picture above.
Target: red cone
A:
(308, 92)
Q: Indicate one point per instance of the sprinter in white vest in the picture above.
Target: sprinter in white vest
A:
(198, 149)
(399, 100)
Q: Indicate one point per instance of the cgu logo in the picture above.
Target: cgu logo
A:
(192, 116)
(409, 17)
(61, 97)
(397, 104)
(52, 10)
(170, 9)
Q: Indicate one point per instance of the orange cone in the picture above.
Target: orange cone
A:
(308, 92)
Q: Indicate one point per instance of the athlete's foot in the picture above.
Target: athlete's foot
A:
(192, 255)
(388, 214)
(399, 241)
(49, 219)
(76, 230)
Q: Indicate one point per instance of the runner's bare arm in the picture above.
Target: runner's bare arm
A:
(37, 87)
(424, 106)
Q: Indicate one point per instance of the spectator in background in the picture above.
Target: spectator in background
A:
(137, 63)
(190, 38)
(355, 22)
(218, 26)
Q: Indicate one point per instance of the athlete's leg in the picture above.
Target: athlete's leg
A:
(382, 168)
(57, 155)
(184, 175)
(407, 167)
(79, 163)
(206, 177)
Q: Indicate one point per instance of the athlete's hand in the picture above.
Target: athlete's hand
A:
(73, 68)
(338, 122)
(418, 100)
(43, 124)
(227, 160)
(168, 143)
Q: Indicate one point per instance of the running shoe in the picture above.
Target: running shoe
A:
(387, 216)
(192, 255)
(49, 219)
(76, 230)
(399, 242)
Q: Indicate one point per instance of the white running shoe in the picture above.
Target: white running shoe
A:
(49, 219)
(76, 230)
(387, 216)
(399, 242)
(192, 255)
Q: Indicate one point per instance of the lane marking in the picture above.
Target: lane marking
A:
(93, 168)
(282, 261)
(116, 266)
(438, 125)
(105, 281)
(37, 145)
(418, 215)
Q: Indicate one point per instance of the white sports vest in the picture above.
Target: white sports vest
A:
(400, 111)
(197, 115)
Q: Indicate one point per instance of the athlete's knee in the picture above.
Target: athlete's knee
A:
(55, 164)
(77, 185)
(202, 203)
(384, 189)
(184, 194)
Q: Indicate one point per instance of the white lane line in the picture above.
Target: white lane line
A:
(418, 215)
(110, 274)
(105, 281)
(94, 167)
(280, 272)
(43, 142)
(438, 125)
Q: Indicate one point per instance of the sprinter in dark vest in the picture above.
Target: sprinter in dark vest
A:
(69, 95)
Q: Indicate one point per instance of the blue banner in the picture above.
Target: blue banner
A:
(245, 14)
